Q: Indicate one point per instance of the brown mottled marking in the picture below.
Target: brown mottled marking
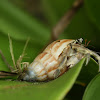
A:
(63, 70)
(49, 47)
(63, 41)
(52, 68)
(56, 47)
(42, 74)
(60, 44)
(49, 56)
(46, 64)
(51, 60)
(41, 70)
(53, 44)
(42, 55)
(58, 40)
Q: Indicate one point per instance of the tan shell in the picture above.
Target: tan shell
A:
(56, 59)
(46, 63)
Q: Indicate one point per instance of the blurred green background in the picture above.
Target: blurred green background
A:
(36, 18)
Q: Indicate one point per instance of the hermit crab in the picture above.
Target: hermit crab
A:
(56, 59)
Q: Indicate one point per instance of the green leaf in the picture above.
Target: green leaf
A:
(20, 25)
(32, 50)
(86, 75)
(92, 91)
(92, 8)
(73, 95)
(53, 90)
(88, 72)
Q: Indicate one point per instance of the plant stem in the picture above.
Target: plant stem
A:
(65, 20)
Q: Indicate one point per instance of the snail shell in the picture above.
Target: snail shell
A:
(45, 66)
(56, 59)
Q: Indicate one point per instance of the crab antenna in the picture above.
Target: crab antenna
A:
(11, 51)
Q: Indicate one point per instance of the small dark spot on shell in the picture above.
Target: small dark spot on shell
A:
(58, 40)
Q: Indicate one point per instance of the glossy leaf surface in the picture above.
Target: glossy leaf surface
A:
(52, 90)
(92, 8)
(92, 91)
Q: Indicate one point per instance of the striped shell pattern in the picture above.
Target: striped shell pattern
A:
(45, 64)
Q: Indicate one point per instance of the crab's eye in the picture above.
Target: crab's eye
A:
(79, 41)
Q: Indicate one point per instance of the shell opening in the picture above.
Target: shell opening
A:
(28, 76)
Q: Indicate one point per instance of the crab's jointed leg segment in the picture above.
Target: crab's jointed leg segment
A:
(87, 59)
(86, 52)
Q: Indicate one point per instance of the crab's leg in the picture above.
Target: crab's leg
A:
(86, 51)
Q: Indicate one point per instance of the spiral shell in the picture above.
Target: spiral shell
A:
(56, 59)
(46, 64)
